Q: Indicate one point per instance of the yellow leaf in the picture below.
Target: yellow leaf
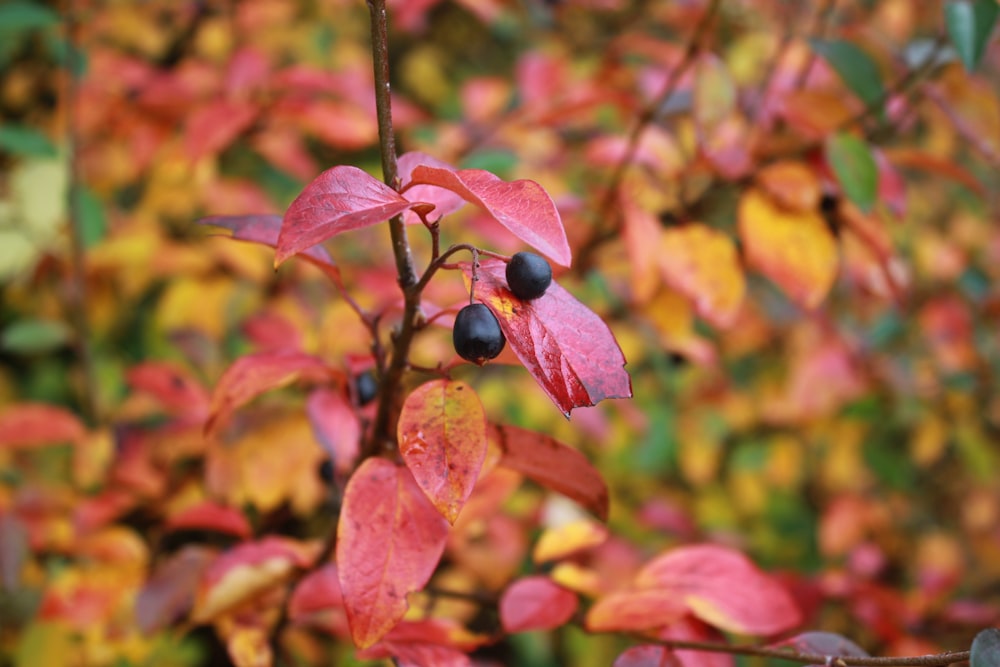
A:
(791, 184)
(562, 541)
(701, 263)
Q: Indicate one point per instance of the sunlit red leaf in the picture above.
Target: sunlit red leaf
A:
(522, 206)
(723, 588)
(634, 610)
(702, 264)
(445, 201)
(172, 386)
(566, 347)
(336, 426)
(253, 374)
(38, 424)
(214, 126)
(442, 438)
(338, 200)
(536, 603)
(389, 541)
(211, 516)
(794, 249)
(169, 592)
(339, 124)
(555, 466)
(647, 655)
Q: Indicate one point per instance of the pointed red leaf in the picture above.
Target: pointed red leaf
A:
(214, 126)
(389, 541)
(522, 206)
(444, 200)
(254, 374)
(442, 437)
(338, 200)
(336, 426)
(553, 465)
(38, 424)
(536, 603)
(647, 655)
(569, 350)
(172, 386)
(723, 588)
(264, 229)
(211, 516)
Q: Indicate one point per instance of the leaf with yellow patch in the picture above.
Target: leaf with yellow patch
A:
(701, 263)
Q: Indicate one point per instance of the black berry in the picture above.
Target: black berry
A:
(366, 387)
(477, 335)
(528, 275)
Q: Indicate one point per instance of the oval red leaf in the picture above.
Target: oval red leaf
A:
(264, 229)
(523, 207)
(214, 126)
(634, 611)
(553, 465)
(389, 541)
(338, 200)
(336, 426)
(566, 347)
(172, 386)
(723, 588)
(442, 437)
(536, 603)
(38, 424)
(647, 655)
(211, 516)
(445, 201)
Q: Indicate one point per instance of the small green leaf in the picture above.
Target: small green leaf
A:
(986, 649)
(93, 222)
(17, 16)
(34, 336)
(855, 67)
(970, 23)
(21, 140)
(854, 166)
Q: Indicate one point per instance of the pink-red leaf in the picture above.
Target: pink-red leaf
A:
(566, 347)
(264, 229)
(647, 655)
(336, 426)
(536, 603)
(338, 200)
(254, 374)
(211, 516)
(38, 424)
(172, 386)
(213, 127)
(521, 206)
(442, 437)
(444, 200)
(553, 465)
(389, 541)
(723, 588)
(634, 611)
(318, 591)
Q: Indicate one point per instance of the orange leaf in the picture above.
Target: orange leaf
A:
(536, 603)
(389, 541)
(553, 464)
(794, 249)
(634, 611)
(815, 113)
(442, 437)
(702, 264)
(38, 424)
(793, 185)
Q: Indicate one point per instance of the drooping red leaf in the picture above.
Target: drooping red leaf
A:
(265, 229)
(318, 591)
(336, 426)
(553, 465)
(445, 201)
(521, 206)
(254, 374)
(209, 515)
(723, 588)
(647, 655)
(389, 541)
(823, 643)
(536, 603)
(168, 593)
(338, 200)
(442, 437)
(214, 126)
(172, 386)
(39, 424)
(566, 347)
(634, 611)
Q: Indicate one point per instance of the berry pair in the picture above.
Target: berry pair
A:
(477, 335)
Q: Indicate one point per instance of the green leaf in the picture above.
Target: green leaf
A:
(855, 67)
(34, 336)
(21, 140)
(986, 649)
(93, 222)
(854, 166)
(970, 23)
(17, 16)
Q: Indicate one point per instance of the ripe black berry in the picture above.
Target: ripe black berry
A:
(528, 275)
(477, 335)
(366, 387)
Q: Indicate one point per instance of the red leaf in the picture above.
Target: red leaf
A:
(690, 629)
(214, 126)
(569, 350)
(647, 655)
(338, 200)
(389, 541)
(169, 592)
(442, 437)
(264, 229)
(433, 642)
(522, 206)
(723, 588)
(444, 200)
(172, 386)
(553, 465)
(38, 424)
(631, 611)
(318, 591)
(536, 603)
(336, 426)
(211, 516)
(254, 374)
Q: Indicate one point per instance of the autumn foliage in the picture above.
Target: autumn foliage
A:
(754, 413)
